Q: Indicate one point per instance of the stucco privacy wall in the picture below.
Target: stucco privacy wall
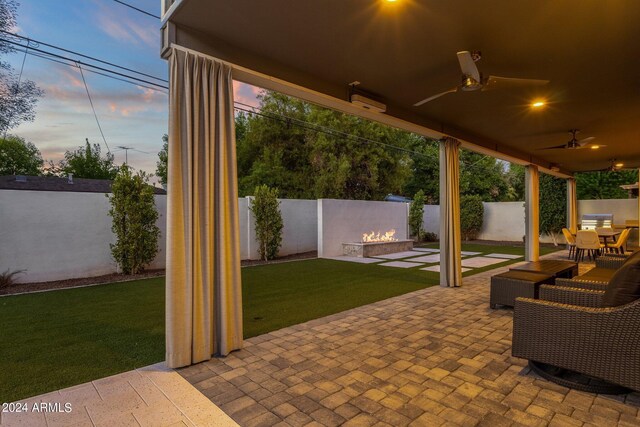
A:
(300, 232)
(60, 235)
(57, 235)
(346, 220)
(504, 221)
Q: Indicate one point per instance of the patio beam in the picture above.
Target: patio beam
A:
(532, 213)
(450, 242)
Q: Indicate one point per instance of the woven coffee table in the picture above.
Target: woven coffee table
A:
(506, 287)
(557, 268)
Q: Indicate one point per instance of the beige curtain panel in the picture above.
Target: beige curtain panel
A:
(450, 240)
(532, 213)
(572, 206)
(203, 290)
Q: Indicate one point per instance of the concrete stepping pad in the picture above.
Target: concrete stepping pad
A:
(481, 261)
(356, 259)
(505, 256)
(426, 258)
(436, 268)
(401, 264)
(399, 255)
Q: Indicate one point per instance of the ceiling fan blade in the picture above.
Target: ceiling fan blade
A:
(431, 98)
(468, 65)
(585, 141)
(554, 147)
(495, 82)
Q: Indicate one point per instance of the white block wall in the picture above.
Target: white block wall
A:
(61, 235)
(503, 221)
(300, 232)
(58, 235)
(343, 221)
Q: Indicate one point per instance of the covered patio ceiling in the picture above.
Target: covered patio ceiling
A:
(405, 51)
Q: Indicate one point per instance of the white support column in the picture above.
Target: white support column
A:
(532, 211)
(572, 206)
(450, 242)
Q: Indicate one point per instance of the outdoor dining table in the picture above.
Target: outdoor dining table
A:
(606, 233)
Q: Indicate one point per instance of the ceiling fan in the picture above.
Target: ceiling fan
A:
(575, 143)
(472, 79)
(615, 166)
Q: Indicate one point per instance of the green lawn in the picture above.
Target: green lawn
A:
(57, 339)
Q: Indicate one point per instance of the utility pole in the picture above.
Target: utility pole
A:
(126, 152)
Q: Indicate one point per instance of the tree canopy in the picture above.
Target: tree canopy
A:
(163, 159)
(604, 185)
(18, 96)
(87, 162)
(19, 157)
(312, 152)
(306, 151)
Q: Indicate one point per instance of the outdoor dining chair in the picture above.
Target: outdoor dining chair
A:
(618, 246)
(588, 240)
(571, 241)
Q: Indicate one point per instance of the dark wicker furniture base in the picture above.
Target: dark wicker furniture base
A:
(506, 287)
(575, 380)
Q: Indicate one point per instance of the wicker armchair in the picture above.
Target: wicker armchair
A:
(571, 331)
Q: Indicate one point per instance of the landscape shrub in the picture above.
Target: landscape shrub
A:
(134, 216)
(266, 211)
(471, 216)
(553, 206)
(416, 211)
(430, 237)
(7, 278)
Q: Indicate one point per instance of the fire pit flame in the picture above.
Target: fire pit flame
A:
(379, 237)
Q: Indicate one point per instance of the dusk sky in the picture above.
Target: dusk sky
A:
(129, 115)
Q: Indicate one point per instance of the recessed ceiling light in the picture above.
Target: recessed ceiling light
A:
(538, 104)
(595, 147)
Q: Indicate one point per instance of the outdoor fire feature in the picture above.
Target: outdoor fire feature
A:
(373, 244)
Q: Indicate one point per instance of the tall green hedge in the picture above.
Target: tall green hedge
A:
(471, 216)
(266, 211)
(134, 215)
(553, 205)
(416, 211)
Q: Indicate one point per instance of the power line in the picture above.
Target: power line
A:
(94, 110)
(87, 64)
(38, 42)
(73, 65)
(139, 10)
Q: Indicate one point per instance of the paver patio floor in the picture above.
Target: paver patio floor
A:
(438, 356)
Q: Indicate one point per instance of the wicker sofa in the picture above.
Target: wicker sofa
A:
(569, 327)
(598, 277)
